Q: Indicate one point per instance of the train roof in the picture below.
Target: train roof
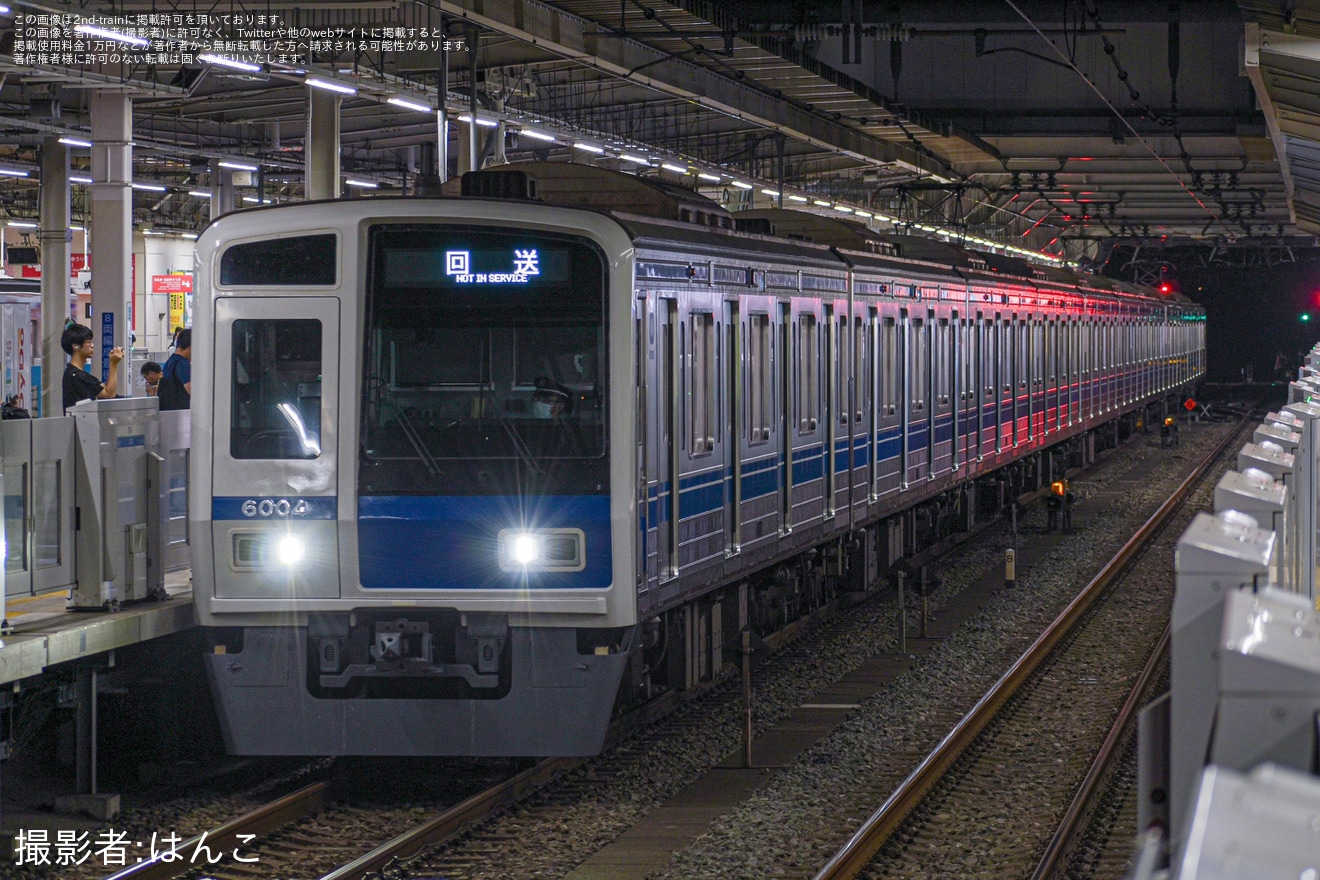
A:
(586, 186)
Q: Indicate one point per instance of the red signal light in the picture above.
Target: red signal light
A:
(1165, 287)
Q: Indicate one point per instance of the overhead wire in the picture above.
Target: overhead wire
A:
(1123, 119)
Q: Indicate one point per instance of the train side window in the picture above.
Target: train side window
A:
(758, 425)
(808, 373)
(701, 404)
(301, 260)
(889, 367)
(276, 394)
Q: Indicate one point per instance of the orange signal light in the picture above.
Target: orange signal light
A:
(1168, 421)
(1058, 487)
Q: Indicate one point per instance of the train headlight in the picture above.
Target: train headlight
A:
(542, 550)
(290, 551)
(525, 549)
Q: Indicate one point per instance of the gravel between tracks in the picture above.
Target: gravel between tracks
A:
(804, 813)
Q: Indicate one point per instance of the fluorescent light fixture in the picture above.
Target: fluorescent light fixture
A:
(330, 85)
(411, 105)
(538, 135)
(94, 31)
(821, 204)
(636, 160)
(148, 186)
(20, 224)
(741, 185)
(151, 232)
(191, 235)
(677, 169)
(713, 178)
(75, 142)
(772, 193)
(199, 193)
(235, 64)
(843, 209)
(77, 229)
(489, 123)
(866, 214)
(252, 200)
(238, 166)
(590, 148)
(796, 199)
(80, 180)
(362, 184)
(4, 10)
(9, 172)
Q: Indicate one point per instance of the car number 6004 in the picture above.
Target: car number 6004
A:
(269, 507)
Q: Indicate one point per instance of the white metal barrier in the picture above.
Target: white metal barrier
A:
(95, 503)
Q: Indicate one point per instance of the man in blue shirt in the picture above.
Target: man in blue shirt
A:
(175, 388)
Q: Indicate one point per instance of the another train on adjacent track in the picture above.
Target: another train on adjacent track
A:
(468, 471)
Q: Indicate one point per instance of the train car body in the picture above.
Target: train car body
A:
(452, 458)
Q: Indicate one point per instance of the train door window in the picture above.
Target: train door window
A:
(841, 373)
(943, 366)
(1051, 371)
(277, 389)
(861, 375)
(16, 518)
(1023, 360)
(701, 384)
(759, 376)
(808, 373)
(889, 366)
(1037, 346)
(986, 330)
(971, 357)
(919, 365)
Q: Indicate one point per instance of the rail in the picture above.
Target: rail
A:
(854, 855)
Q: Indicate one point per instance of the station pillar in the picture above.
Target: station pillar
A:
(222, 190)
(322, 145)
(55, 237)
(111, 226)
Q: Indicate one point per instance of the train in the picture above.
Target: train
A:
(471, 471)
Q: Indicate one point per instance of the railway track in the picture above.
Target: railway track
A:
(1014, 761)
(573, 798)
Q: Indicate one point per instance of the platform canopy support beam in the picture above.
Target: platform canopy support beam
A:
(111, 227)
(322, 147)
(55, 238)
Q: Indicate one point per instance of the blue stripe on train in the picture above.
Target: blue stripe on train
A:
(452, 542)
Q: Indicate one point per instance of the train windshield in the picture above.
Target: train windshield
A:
(483, 345)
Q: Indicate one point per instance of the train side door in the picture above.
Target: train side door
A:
(786, 425)
(830, 368)
(889, 445)
(862, 408)
(733, 422)
(643, 324)
(667, 394)
(276, 439)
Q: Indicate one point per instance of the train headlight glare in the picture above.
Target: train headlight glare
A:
(291, 550)
(525, 549)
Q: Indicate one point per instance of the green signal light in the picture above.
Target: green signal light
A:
(1305, 317)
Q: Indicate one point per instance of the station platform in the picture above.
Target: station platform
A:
(43, 634)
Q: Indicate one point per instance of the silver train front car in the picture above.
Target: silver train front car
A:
(404, 536)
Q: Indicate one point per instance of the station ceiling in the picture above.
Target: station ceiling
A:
(1054, 126)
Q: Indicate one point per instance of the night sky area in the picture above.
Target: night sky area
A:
(1252, 314)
